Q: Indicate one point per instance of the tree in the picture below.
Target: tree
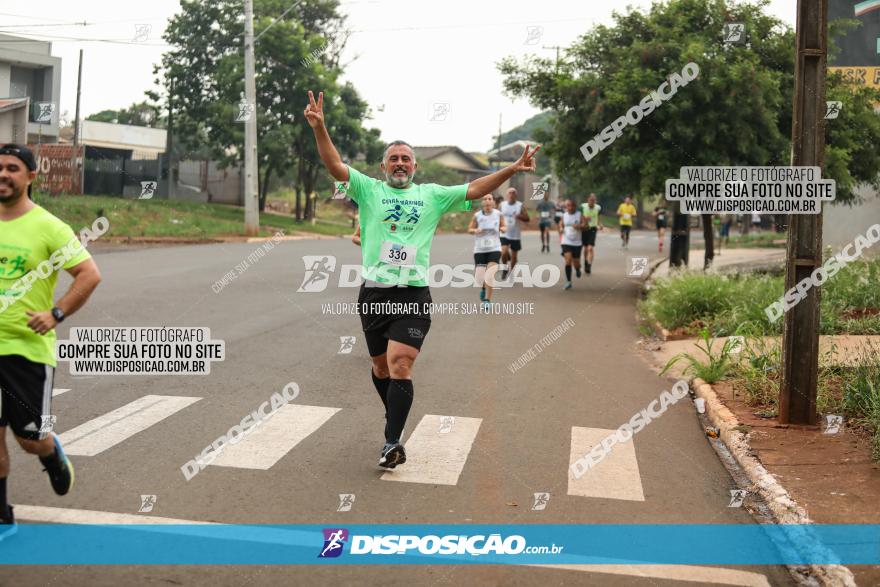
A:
(293, 54)
(526, 130)
(534, 129)
(737, 111)
(138, 114)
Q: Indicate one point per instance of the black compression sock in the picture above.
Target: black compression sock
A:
(400, 399)
(568, 272)
(381, 387)
(4, 506)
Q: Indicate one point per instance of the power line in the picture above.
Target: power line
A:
(61, 39)
(11, 26)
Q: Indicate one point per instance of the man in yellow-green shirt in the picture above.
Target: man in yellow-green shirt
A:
(34, 245)
(626, 212)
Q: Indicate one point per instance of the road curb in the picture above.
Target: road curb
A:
(782, 507)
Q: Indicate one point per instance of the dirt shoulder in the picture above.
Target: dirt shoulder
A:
(831, 476)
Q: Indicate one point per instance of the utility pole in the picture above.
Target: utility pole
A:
(800, 332)
(169, 144)
(680, 237)
(76, 137)
(554, 181)
(499, 142)
(251, 208)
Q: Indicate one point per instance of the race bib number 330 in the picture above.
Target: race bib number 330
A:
(397, 254)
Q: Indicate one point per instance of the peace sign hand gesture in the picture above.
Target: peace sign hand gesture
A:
(314, 112)
(526, 161)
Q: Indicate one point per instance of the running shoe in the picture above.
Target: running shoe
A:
(392, 455)
(8, 527)
(486, 303)
(577, 271)
(60, 469)
(567, 285)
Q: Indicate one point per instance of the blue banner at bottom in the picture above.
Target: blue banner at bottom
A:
(197, 544)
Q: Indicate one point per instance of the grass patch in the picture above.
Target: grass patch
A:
(850, 391)
(715, 367)
(727, 304)
(163, 218)
(753, 240)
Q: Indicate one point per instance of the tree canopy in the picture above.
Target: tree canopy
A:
(738, 110)
(140, 114)
(294, 53)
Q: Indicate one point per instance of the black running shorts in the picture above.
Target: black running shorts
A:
(26, 396)
(486, 258)
(589, 236)
(575, 250)
(513, 243)
(401, 314)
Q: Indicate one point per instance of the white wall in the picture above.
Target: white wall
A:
(841, 224)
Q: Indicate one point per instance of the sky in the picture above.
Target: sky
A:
(430, 67)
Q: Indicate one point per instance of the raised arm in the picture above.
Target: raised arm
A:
(486, 185)
(314, 114)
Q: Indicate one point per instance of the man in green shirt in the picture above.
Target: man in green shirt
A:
(34, 245)
(398, 219)
(590, 211)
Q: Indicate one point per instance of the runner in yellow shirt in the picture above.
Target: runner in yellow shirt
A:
(626, 212)
(34, 247)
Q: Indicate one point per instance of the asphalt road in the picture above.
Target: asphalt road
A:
(512, 431)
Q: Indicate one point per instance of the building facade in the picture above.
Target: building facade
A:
(29, 71)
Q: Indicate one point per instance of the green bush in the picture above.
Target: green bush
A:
(726, 303)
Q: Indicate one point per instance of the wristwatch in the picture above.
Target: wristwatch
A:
(58, 314)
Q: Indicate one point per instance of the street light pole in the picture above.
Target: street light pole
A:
(800, 333)
(251, 185)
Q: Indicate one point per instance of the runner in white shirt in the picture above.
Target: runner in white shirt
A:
(570, 229)
(486, 226)
(511, 241)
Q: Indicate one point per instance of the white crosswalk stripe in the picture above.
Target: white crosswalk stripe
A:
(273, 438)
(616, 477)
(104, 432)
(437, 450)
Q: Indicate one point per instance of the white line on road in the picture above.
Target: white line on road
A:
(58, 391)
(103, 432)
(275, 437)
(616, 477)
(258, 533)
(50, 515)
(435, 456)
(693, 574)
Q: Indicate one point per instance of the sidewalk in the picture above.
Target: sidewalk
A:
(837, 350)
(730, 260)
(831, 478)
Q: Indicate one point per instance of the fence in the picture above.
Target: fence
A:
(59, 168)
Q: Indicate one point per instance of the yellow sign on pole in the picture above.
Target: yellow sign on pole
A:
(863, 76)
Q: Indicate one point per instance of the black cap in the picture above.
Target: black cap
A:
(23, 153)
